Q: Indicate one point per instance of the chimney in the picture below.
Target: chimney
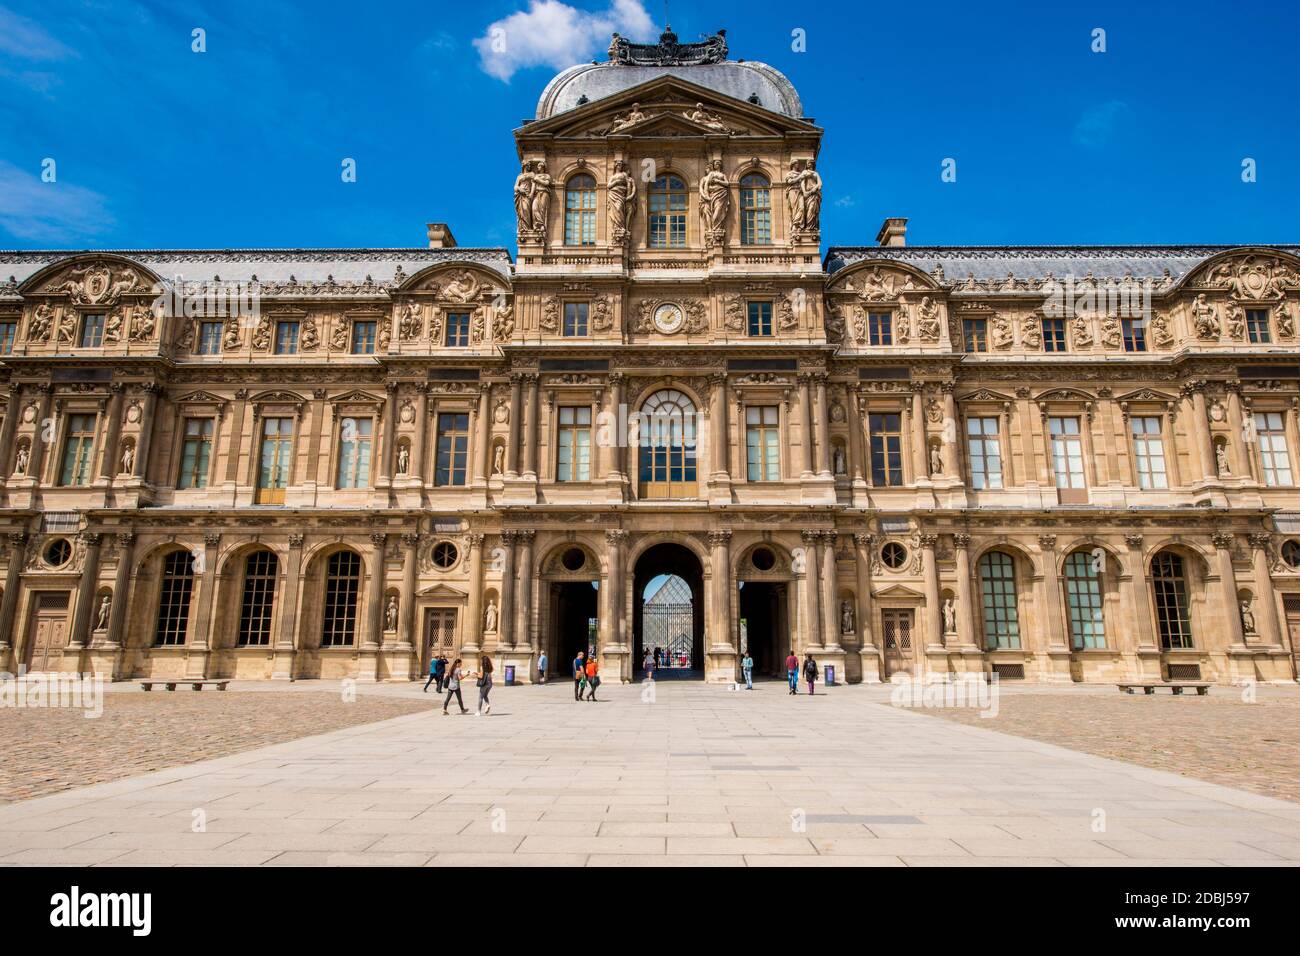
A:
(893, 232)
(440, 236)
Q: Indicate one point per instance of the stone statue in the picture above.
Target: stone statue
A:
(794, 198)
(524, 198)
(634, 116)
(811, 186)
(38, 326)
(1247, 618)
(846, 617)
(715, 201)
(490, 618)
(128, 459)
(927, 320)
(499, 460)
(541, 198)
(105, 606)
(704, 118)
(20, 466)
(411, 323)
(390, 614)
(949, 617)
(1204, 319)
(1282, 319)
(403, 459)
(1221, 458)
(936, 460)
(838, 460)
(621, 195)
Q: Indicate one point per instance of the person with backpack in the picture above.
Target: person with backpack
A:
(483, 681)
(593, 677)
(792, 672)
(454, 676)
(810, 672)
(433, 675)
(747, 668)
(579, 675)
(541, 668)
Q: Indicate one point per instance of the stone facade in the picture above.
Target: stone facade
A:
(1066, 464)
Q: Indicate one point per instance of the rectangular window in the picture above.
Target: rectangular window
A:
(880, 328)
(1274, 458)
(1084, 601)
(985, 453)
(975, 334)
(453, 449)
(760, 318)
(755, 212)
(259, 599)
(209, 338)
(886, 449)
(667, 209)
(363, 338)
(1257, 326)
(580, 212)
(573, 456)
(77, 447)
(575, 318)
(458, 330)
(1053, 335)
(8, 332)
(286, 338)
(276, 455)
(1149, 452)
(762, 443)
(196, 453)
(1135, 335)
(92, 331)
(354, 453)
(1067, 452)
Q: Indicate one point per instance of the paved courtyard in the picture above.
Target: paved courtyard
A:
(698, 776)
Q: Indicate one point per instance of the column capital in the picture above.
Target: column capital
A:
(616, 536)
(212, 539)
(297, 540)
(411, 539)
(1133, 541)
(125, 539)
(91, 539)
(810, 537)
(1047, 542)
(928, 541)
(378, 538)
(830, 537)
(719, 539)
(474, 539)
(1222, 540)
(961, 541)
(1260, 542)
(864, 539)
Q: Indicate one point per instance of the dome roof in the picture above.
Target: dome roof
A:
(704, 64)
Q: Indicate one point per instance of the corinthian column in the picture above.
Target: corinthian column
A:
(375, 593)
(505, 619)
(1201, 425)
(473, 625)
(718, 466)
(108, 459)
(965, 607)
(806, 425)
(811, 610)
(516, 412)
(720, 613)
(17, 549)
(920, 453)
(930, 574)
(482, 435)
(830, 604)
(121, 589)
(1265, 600)
(823, 429)
(524, 590)
(1228, 588)
(532, 434)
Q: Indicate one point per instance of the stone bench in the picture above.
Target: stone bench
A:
(194, 684)
(1176, 687)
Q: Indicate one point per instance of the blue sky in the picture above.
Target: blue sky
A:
(242, 145)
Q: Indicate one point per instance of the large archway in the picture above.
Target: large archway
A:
(668, 609)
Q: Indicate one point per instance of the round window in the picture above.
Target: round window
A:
(763, 559)
(1291, 553)
(574, 559)
(894, 555)
(58, 553)
(444, 554)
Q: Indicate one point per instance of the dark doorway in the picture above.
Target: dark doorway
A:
(763, 614)
(668, 611)
(575, 623)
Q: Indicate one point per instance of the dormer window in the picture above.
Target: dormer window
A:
(580, 211)
(667, 206)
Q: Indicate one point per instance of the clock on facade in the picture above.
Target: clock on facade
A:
(668, 318)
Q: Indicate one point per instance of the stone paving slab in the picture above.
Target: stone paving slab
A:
(683, 781)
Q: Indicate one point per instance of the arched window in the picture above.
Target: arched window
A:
(259, 599)
(1083, 598)
(342, 584)
(667, 204)
(1173, 614)
(666, 433)
(755, 210)
(174, 599)
(998, 596)
(580, 211)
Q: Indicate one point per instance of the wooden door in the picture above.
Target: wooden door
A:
(48, 631)
(439, 634)
(896, 628)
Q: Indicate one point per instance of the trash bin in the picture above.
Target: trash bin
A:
(510, 674)
(830, 674)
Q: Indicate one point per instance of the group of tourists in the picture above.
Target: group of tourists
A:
(586, 675)
(810, 672)
(450, 676)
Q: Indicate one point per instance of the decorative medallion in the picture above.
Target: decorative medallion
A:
(669, 318)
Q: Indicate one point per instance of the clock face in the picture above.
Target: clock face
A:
(668, 318)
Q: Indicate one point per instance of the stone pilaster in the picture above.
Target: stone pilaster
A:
(282, 659)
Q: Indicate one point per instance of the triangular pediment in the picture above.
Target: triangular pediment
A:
(443, 592)
(899, 592)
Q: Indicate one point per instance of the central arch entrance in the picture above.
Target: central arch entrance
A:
(668, 610)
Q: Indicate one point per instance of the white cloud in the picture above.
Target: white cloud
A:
(844, 201)
(48, 212)
(555, 34)
(1099, 124)
(27, 39)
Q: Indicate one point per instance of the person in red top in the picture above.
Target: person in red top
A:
(792, 671)
(593, 677)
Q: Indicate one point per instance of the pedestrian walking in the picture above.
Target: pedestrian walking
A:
(747, 668)
(579, 675)
(433, 675)
(541, 668)
(810, 672)
(792, 672)
(443, 664)
(455, 674)
(649, 664)
(593, 677)
(484, 684)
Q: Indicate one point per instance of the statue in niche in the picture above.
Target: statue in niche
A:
(20, 466)
(105, 607)
(846, 617)
(621, 195)
(949, 617)
(390, 614)
(1221, 458)
(490, 618)
(1247, 617)
(838, 460)
(936, 460)
(715, 201)
(499, 460)
(128, 459)
(403, 459)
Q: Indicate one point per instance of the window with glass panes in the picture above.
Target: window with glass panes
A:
(575, 318)
(458, 330)
(762, 443)
(92, 331)
(196, 453)
(886, 449)
(209, 338)
(1173, 614)
(77, 447)
(760, 318)
(260, 569)
(975, 335)
(276, 452)
(8, 332)
(580, 211)
(363, 338)
(286, 338)
(174, 599)
(1067, 452)
(997, 573)
(573, 454)
(355, 447)
(755, 210)
(1274, 457)
(667, 213)
(1083, 600)
(1053, 335)
(342, 584)
(453, 449)
(1149, 451)
(985, 452)
(880, 328)
(1135, 335)
(1257, 326)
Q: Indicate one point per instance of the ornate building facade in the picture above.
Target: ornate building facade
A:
(1061, 464)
